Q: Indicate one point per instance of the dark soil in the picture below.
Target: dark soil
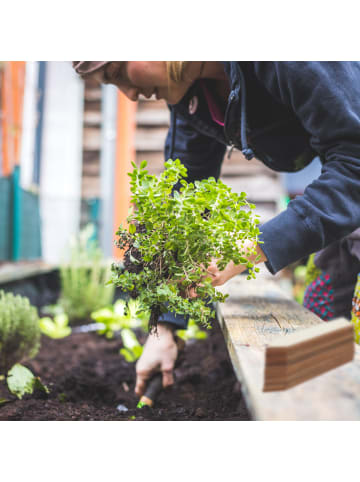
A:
(88, 380)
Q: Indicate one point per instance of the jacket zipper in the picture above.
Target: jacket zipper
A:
(229, 141)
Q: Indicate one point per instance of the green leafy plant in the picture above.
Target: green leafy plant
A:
(83, 279)
(173, 236)
(312, 271)
(19, 341)
(132, 349)
(193, 332)
(56, 328)
(21, 380)
(121, 315)
(19, 330)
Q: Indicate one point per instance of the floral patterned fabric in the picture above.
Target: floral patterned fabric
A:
(319, 297)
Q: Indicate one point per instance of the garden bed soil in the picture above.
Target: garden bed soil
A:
(88, 380)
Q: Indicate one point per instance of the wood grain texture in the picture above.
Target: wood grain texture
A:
(10, 272)
(256, 313)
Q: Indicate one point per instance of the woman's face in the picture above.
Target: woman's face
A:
(146, 78)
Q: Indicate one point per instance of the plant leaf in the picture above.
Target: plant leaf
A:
(132, 349)
(20, 380)
(38, 385)
(56, 328)
(103, 315)
(119, 307)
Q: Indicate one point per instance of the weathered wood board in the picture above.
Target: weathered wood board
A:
(10, 272)
(255, 313)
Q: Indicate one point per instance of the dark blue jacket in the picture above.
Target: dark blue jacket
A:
(286, 113)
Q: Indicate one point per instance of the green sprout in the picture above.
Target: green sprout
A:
(56, 328)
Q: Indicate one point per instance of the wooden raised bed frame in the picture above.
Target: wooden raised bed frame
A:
(255, 313)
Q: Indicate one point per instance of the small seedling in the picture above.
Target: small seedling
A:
(56, 328)
(192, 332)
(62, 397)
(20, 381)
(121, 315)
(132, 349)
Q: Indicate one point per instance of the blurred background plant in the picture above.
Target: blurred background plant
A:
(123, 318)
(19, 331)
(84, 287)
(127, 319)
(19, 341)
(299, 283)
(193, 332)
(302, 276)
(121, 315)
(55, 328)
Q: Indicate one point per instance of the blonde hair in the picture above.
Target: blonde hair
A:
(175, 70)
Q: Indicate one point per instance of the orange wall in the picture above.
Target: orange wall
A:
(125, 154)
(12, 96)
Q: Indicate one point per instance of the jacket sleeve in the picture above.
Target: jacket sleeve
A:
(325, 97)
(200, 154)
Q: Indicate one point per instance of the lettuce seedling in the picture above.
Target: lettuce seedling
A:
(21, 380)
(121, 315)
(173, 236)
(56, 328)
(192, 332)
(132, 349)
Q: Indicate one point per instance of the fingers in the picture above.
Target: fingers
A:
(140, 386)
(192, 293)
(167, 378)
(142, 379)
(212, 268)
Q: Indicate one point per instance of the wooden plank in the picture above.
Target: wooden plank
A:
(91, 139)
(154, 159)
(239, 166)
(153, 117)
(10, 272)
(258, 188)
(92, 118)
(93, 94)
(304, 354)
(91, 169)
(152, 105)
(90, 187)
(258, 311)
(150, 139)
